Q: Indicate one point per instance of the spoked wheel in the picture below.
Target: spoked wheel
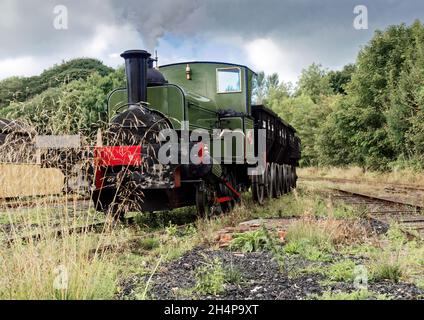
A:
(268, 181)
(278, 187)
(274, 180)
(294, 177)
(285, 179)
(258, 188)
(289, 179)
(227, 206)
(205, 200)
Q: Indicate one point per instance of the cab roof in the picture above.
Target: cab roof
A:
(208, 62)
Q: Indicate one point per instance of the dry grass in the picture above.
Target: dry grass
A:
(405, 176)
(70, 266)
(19, 180)
(326, 231)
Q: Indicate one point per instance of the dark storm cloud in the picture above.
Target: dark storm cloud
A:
(252, 18)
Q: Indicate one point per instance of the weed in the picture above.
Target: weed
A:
(341, 271)
(395, 235)
(310, 240)
(190, 231)
(359, 250)
(306, 249)
(420, 283)
(386, 271)
(171, 230)
(210, 278)
(149, 243)
(310, 231)
(233, 276)
(354, 295)
(251, 241)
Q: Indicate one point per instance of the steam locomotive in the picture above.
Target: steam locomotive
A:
(165, 113)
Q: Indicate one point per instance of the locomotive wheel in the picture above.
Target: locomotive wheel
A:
(227, 206)
(231, 204)
(258, 188)
(205, 200)
(268, 181)
(274, 180)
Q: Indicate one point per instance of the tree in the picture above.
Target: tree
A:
(259, 88)
(314, 83)
(21, 89)
(75, 107)
(339, 79)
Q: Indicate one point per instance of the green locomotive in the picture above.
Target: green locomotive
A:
(188, 134)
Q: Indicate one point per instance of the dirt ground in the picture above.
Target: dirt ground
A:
(261, 279)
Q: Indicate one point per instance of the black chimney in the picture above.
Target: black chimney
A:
(136, 62)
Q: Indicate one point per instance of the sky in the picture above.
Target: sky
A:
(283, 36)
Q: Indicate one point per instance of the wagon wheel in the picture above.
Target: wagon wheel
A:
(274, 180)
(258, 188)
(294, 177)
(205, 201)
(282, 181)
(268, 181)
(279, 181)
(285, 180)
(289, 179)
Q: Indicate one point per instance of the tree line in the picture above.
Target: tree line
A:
(369, 114)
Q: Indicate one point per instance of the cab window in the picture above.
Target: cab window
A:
(228, 80)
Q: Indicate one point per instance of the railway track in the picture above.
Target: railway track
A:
(45, 201)
(409, 215)
(54, 233)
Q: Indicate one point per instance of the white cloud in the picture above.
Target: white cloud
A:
(266, 55)
(21, 66)
(111, 40)
(107, 43)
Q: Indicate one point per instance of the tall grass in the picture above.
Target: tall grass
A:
(58, 264)
(397, 175)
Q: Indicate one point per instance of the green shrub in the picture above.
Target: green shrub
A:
(354, 295)
(307, 250)
(210, 278)
(233, 276)
(341, 271)
(386, 271)
(252, 241)
(149, 243)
